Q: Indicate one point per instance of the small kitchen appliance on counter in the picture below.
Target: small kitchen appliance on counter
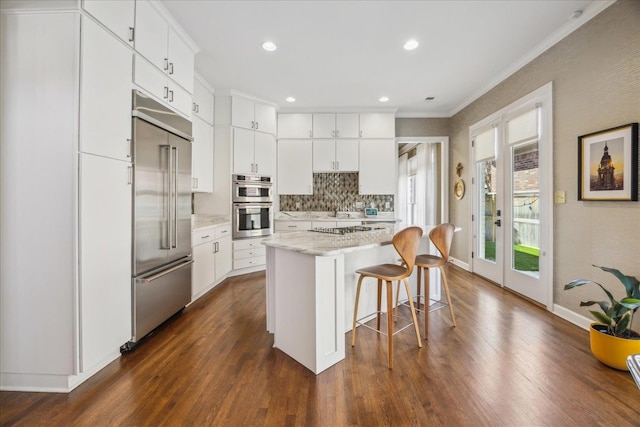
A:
(371, 212)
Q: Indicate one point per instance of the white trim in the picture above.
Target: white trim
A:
(572, 317)
(592, 10)
(290, 109)
(457, 262)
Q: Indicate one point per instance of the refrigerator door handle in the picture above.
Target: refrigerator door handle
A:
(166, 236)
(163, 272)
(175, 197)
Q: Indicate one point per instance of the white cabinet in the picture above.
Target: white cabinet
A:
(105, 254)
(161, 44)
(377, 125)
(295, 125)
(202, 156)
(288, 226)
(256, 116)
(248, 253)
(211, 257)
(335, 155)
(295, 166)
(253, 152)
(105, 94)
(329, 125)
(202, 101)
(117, 16)
(157, 84)
(378, 166)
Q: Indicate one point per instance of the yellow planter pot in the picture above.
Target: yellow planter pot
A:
(610, 350)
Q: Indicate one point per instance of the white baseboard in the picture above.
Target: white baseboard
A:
(570, 316)
(459, 263)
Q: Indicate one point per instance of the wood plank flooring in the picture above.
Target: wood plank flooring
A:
(508, 363)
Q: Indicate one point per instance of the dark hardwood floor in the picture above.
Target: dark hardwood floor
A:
(508, 363)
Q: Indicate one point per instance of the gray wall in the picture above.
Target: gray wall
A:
(596, 85)
(408, 127)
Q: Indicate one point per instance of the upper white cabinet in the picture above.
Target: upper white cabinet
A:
(295, 174)
(256, 116)
(377, 125)
(295, 125)
(117, 16)
(335, 155)
(156, 83)
(378, 168)
(105, 94)
(202, 101)
(329, 125)
(202, 156)
(162, 45)
(253, 152)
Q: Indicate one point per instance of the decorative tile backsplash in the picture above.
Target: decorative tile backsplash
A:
(335, 192)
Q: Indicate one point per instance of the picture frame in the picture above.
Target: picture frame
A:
(608, 164)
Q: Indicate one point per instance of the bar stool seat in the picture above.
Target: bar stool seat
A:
(406, 244)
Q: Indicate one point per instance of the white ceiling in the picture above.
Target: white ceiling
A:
(341, 55)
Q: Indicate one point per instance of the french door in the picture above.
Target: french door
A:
(512, 194)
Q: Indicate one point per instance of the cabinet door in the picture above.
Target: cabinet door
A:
(105, 94)
(265, 154)
(378, 166)
(293, 125)
(243, 152)
(242, 114)
(324, 125)
(179, 98)
(117, 16)
(347, 154)
(265, 118)
(224, 258)
(105, 257)
(152, 33)
(203, 272)
(150, 79)
(377, 125)
(202, 156)
(324, 155)
(347, 125)
(181, 60)
(295, 166)
(203, 102)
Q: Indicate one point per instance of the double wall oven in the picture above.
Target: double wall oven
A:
(252, 206)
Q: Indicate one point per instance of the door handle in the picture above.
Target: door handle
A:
(498, 222)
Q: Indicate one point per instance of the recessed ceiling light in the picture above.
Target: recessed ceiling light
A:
(383, 99)
(269, 46)
(411, 44)
(291, 99)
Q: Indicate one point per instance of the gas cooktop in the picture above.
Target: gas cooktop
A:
(344, 230)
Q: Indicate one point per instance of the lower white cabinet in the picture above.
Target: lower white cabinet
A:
(295, 166)
(378, 166)
(287, 226)
(202, 156)
(211, 257)
(248, 253)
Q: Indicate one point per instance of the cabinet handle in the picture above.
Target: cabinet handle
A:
(256, 168)
(257, 125)
(166, 92)
(310, 133)
(333, 166)
(338, 134)
(360, 133)
(128, 147)
(193, 107)
(223, 231)
(253, 124)
(337, 166)
(217, 247)
(166, 64)
(131, 34)
(205, 237)
(197, 108)
(170, 67)
(170, 96)
(130, 175)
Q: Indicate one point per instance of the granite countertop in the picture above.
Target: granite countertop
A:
(203, 221)
(331, 216)
(321, 244)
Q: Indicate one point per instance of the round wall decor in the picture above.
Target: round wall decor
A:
(458, 189)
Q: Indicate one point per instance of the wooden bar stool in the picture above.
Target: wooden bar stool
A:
(406, 244)
(441, 236)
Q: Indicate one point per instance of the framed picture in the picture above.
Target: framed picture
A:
(608, 164)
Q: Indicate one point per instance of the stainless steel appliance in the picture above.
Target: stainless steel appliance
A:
(252, 206)
(161, 283)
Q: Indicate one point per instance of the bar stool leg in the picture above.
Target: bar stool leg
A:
(355, 312)
(418, 286)
(426, 302)
(379, 303)
(390, 321)
(413, 312)
(446, 290)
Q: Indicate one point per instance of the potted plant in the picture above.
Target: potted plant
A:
(612, 339)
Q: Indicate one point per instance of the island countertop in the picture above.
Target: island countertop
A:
(323, 244)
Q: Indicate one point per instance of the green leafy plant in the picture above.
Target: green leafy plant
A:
(617, 316)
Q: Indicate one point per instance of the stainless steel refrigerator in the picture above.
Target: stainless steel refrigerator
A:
(161, 283)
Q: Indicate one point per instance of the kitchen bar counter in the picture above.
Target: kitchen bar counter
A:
(338, 216)
(311, 283)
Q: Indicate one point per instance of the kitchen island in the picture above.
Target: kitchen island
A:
(311, 283)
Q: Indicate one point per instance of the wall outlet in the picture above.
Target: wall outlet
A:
(359, 205)
(560, 197)
(387, 205)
